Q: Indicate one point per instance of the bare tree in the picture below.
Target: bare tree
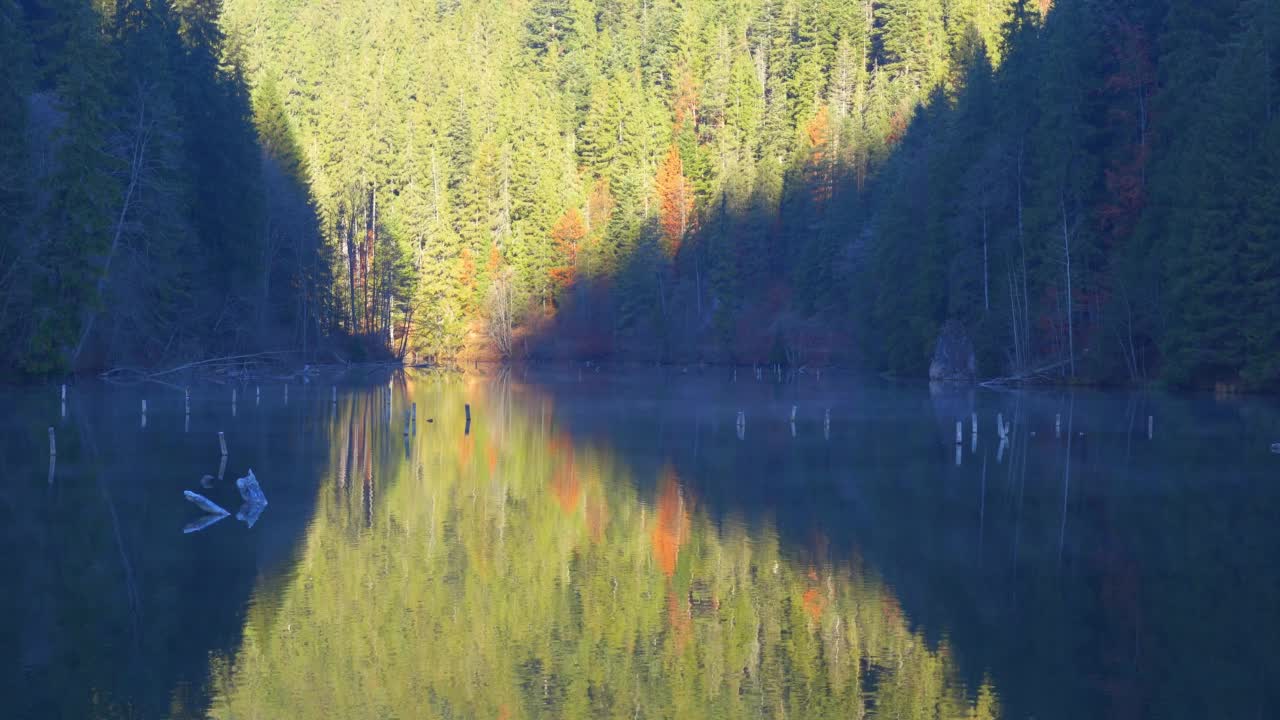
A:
(501, 311)
(134, 149)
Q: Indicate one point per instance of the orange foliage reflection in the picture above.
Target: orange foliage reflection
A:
(564, 479)
(671, 527)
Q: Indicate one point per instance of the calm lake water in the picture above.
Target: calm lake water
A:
(618, 545)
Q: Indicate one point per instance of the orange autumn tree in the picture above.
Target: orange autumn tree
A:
(818, 173)
(686, 101)
(675, 194)
(567, 235)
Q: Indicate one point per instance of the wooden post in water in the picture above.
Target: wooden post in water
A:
(144, 412)
(1057, 425)
(333, 394)
(407, 421)
(742, 425)
(959, 433)
(973, 426)
(53, 454)
(286, 394)
(1151, 425)
(64, 392)
(793, 414)
(186, 400)
(467, 408)
(826, 425)
(222, 443)
(257, 394)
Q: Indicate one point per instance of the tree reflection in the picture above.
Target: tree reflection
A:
(545, 582)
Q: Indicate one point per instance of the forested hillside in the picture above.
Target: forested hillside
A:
(1084, 189)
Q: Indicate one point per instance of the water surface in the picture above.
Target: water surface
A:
(602, 544)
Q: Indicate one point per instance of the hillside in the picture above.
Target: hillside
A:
(1085, 191)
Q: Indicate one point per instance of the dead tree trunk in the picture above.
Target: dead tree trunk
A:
(137, 156)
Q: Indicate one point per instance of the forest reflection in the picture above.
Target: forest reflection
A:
(517, 570)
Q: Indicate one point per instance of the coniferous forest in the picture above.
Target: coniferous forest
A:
(1081, 190)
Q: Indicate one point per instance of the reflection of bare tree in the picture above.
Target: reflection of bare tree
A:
(1066, 477)
(130, 582)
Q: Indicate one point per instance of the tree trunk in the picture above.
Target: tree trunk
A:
(142, 135)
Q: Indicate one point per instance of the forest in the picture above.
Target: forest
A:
(1082, 191)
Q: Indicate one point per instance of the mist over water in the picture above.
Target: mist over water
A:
(639, 544)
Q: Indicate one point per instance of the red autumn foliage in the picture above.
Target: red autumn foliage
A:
(814, 603)
(898, 127)
(491, 456)
(818, 131)
(676, 197)
(568, 234)
(1128, 88)
(564, 479)
(680, 617)
(467, 273)
(671, 526)
(686, 102)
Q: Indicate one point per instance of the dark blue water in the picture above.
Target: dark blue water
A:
(618, 544)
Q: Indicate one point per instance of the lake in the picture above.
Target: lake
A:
(657, 544)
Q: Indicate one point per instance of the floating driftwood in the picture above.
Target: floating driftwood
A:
(250, 490)
(204, 503)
